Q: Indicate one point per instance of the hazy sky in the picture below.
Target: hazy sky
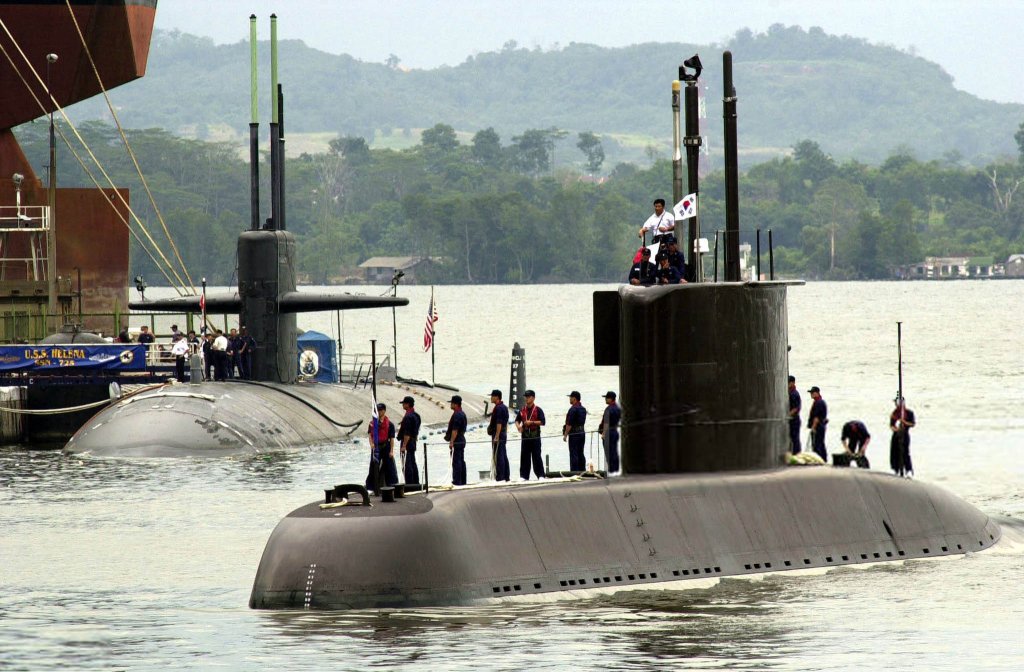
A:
(978, 42)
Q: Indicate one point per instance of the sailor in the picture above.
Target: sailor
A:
(246, 348)
(575, 433)
(123, 337)
(676, 259)
(817, 421)
(207, 351)
(456, 438)
(794, 417)
(529, 420)
(175, 332)
(179, 349)
(382, 447)
(643, 272)
(666, 273)
(219, 350)
(407, 433)
(233, 360)
(498, 431)
(144, 336)
(661, 222)
(609, 430)
(900, 421)
(855, 438)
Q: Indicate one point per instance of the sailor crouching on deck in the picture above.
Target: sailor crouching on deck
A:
(456, 438)
(575, 432)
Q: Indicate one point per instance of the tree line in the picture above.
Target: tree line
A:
(495, 210)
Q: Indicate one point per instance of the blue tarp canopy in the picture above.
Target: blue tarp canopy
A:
(318, 359)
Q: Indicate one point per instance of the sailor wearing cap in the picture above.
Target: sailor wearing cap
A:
(529, 420)
(382, 446)
(643, 271)
(816, 422)
(456, 438)
(498, 431)
(676, 259)
(609, 429)
(575, 433)
(407, 433)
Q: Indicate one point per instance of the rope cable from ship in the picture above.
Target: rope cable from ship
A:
(128, 147)
(57, 107)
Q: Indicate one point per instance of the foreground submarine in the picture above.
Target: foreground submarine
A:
(704, 493)
(273, 411)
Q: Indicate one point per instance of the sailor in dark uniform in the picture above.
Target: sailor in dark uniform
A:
(676, 259)
(498, 431)
(575, 433)
(855, 438)
(246, 348)
(456, 438)
(529, 420)
(666, 274)
(407, 433)
(900, 422)
(643, 272)
(794, 416)
(609, 431)
(817, 421)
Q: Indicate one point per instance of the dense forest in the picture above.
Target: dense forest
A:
(856, 100)
(495, 210)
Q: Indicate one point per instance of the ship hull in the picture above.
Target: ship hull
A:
(539, 540)
(220, 419)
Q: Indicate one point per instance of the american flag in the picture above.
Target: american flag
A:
(428, 328)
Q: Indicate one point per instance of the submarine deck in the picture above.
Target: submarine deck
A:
(472, 544)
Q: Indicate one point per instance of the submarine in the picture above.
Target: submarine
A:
(273, 411)
(704, 491)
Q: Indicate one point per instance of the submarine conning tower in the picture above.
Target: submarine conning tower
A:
(266, 270)
(702, 374)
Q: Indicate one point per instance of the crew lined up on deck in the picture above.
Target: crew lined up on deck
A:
(528, 421)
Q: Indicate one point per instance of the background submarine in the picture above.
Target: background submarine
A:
(702, 370)
(272, 411)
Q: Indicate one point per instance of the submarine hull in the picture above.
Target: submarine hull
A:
(484, 544)
(226, 418)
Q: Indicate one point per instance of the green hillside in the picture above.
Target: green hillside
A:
(857, 100)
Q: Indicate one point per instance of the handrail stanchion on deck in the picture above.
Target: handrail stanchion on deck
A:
(426, 468)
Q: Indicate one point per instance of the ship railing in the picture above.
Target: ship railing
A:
(356, 368)
(24, 218)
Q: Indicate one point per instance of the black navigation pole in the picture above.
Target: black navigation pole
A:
(254, 132)
(732, 196)
(275, 137)
(901, 437)
(692, 141)
(677, 154)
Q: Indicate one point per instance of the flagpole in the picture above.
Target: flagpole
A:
(433, 336)
(202, 328)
